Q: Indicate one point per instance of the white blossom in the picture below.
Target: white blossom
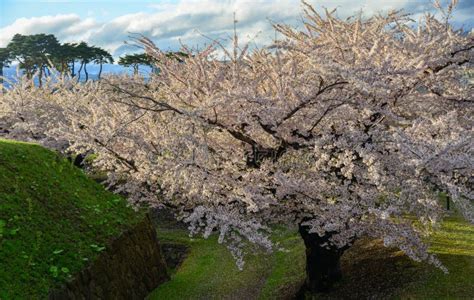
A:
(348, 127)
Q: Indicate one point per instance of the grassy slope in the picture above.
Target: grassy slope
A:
(53, 220)
(209, 271)
(369, 268)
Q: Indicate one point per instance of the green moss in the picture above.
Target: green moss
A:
(53, 220)
(90, 158)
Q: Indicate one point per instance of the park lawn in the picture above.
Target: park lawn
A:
(370, 270)
(53, 220)
(209, 270)
(454, 246)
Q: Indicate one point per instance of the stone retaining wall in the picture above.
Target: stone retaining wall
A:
(130, 268)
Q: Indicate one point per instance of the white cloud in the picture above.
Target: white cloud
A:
(63, 26)
(168, 23)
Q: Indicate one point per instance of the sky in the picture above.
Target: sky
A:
(110, 23)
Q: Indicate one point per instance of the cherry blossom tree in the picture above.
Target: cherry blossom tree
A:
(347, 128)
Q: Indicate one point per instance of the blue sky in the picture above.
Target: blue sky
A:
(108, 23)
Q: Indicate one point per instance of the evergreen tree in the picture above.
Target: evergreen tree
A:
(101, 56)
(135, 60)
(65, 58)
(85, 56)
(34, 52)
(4, 61)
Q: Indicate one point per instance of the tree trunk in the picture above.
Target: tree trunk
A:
(100, 70)
(29, 73)
(40, 75)
(85, 71)
(1, 79)
(323, 266)
(79, 72)
(72, 69)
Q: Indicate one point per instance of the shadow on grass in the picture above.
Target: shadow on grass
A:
(370, 270)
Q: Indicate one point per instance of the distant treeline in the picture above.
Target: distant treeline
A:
(39, 53)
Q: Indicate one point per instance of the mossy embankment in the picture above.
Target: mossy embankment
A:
(54, 220)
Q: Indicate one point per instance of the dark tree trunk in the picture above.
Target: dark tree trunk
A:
(323, 267)
(79, 72)
(85, 71)
(100, 70)
(72, 69)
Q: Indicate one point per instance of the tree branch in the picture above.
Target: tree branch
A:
(308, 100)
(129, 163)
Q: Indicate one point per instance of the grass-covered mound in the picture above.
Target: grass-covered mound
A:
(53, 220)
(370, 270)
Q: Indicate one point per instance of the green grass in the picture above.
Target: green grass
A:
(53, 220)
(369, 269)
(454, 246)
(209, 271)
(287, 266)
